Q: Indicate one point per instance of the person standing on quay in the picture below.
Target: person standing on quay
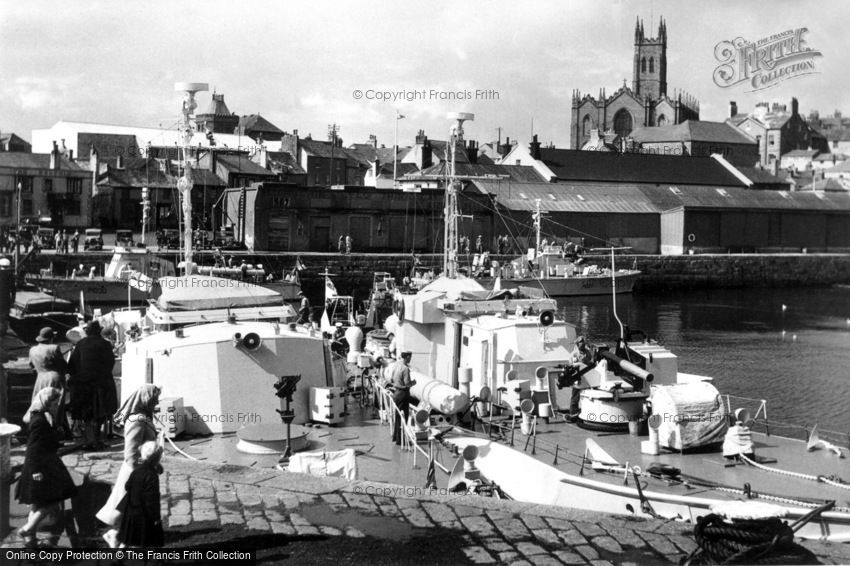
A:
(45, 482)
(479, 244)
(47, 360)
(340, 244)
(75, 241)
(136, 416)
(93, 395)
(141, 521)
(349, 243)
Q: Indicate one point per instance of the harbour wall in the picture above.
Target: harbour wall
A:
(352, 273)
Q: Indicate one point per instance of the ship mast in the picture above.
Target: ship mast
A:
(184, 184)
(451, 213)
(537, 222)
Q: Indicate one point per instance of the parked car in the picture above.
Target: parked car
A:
(168, 238)
(47, 238)
(225, 240)
(124, 238)
(94, 239)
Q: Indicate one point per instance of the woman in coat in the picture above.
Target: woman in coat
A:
(136, 416)
(141, 522)
(45, 482)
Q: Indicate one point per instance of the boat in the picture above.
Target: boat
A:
(224, 352)
(32, 310)
(604, 427)
(288, 286)
(114, 286)
(558, 272)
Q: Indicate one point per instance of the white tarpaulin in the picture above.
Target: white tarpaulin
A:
(342, 464)
(690, 415)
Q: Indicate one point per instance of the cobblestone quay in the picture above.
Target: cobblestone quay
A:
(299, 519)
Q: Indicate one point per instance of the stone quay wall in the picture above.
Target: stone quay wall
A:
(352, 274)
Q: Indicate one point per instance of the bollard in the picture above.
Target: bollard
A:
(7, 431)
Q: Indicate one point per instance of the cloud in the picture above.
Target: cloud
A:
(37, 93)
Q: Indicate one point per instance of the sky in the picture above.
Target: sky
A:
(301, 64)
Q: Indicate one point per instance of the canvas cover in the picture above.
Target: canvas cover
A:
(201, 292)
(691, 415)
(34, 302)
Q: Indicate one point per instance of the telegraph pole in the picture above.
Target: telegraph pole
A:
(332, 131)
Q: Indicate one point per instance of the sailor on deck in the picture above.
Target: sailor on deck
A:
(738, 440)
(401, 384)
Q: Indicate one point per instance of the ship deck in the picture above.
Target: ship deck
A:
(705, 467)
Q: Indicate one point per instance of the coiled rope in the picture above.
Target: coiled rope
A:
(757, 541)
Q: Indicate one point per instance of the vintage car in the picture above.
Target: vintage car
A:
(168, 238)
(94, 239)
(124, 238)
(225, 240)
(47, 238)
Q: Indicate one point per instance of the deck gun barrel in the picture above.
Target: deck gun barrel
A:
(633, 372)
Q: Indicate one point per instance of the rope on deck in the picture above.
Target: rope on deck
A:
(835, 482)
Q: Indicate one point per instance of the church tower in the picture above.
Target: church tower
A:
(650, 65)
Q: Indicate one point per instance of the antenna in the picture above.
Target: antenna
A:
(450, 236)
(184, 184)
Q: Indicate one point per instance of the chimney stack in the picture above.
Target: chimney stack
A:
(795, 106)
(534, 148)
(54, 157)
(733, 108)
(472, 151)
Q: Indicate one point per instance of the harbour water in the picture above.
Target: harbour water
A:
(797, 358)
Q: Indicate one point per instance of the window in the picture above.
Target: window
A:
(579, 197)
(48, 185)
(623, 123)
(722, 192)
(5, 204)
(652, 64)
(785, 195)
(662, 120)
(24, 182)
(586, 125)
(26, 206)
(676, 191)
(643, 65)
(75, 186)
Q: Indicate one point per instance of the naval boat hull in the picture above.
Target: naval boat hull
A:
(576, 285)
(525, 478)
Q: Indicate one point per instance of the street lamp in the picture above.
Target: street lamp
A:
(395, 150)
(18, 227)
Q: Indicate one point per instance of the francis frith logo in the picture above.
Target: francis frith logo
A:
(766, 62)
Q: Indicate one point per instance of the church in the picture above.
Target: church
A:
(644, 104)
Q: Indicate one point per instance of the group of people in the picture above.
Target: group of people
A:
(83, 389)
(63, 239)
(89, 395)
(344, 244)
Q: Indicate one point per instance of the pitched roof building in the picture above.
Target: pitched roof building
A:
(777, 130)
(698, 138)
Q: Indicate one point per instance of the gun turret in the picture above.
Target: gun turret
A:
(631, 374)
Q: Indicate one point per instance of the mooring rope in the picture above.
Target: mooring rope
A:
(835, 482)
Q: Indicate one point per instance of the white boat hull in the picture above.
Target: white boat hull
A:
(525, 478)
(579, 285)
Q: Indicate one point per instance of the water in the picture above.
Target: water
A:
(797, 358)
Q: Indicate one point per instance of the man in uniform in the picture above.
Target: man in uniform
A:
(401, 383)
(303, 309)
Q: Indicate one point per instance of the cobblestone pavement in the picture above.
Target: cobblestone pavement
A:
(209, 500)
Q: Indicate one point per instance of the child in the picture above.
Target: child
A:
(141, 523)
